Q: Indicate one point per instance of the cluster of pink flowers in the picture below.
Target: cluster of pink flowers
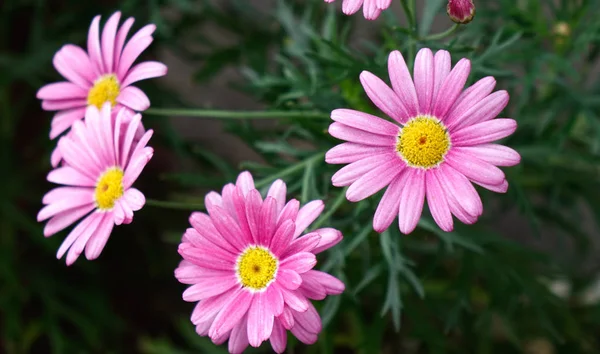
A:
(249, 260)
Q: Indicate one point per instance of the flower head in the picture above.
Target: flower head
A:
(371, 8)
(102, 74)
(101, 165)
(441, 142)
(251, 269)
(461, 11)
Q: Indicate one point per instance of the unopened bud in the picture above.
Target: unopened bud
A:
(461, 11)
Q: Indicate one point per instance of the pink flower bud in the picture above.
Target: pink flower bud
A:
(461, 11)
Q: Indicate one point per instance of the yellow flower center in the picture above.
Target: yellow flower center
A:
(423, 142)
(109, 188)
(256, 268)
(105, 89)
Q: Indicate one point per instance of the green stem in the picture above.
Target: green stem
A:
(211, 113)
(406, 5)
(287, 171)
(174, 205)
(441, 35)
(332, 209)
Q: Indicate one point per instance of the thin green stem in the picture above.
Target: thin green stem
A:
(174, 205)
(287, 171)
(332, 209)
(441, 35)
(220, 114)
(407, 10)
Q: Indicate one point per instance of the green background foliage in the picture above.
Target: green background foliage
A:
(474, 290)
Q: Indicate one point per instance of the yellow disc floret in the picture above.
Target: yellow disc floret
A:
(105, 89)
(256, 268)
(423, 142)
(109, 188)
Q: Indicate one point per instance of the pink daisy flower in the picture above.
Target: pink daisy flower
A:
(441, 143)
(371, 8)
(250, 267)
(102, 74)
(101, 165)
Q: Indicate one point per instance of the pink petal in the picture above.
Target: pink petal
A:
(289, 212)
(474, 168)
(312, 289)
(329, 237)
(209, 287)
(268, 220)
(213, 259)
(277, 191)
(352, 152)
(289, 279)
(332, 285)
(79, 244)
(238, 340)
(436, 199)
(253, 206)
(274, 299)
(442, 65)
(309, 319)
(304, 243)
(96, 244)
(239, 205)
(283, 237)
(227, 200)
(62, 220)
(451, 88)
(424, 79)
(77, 157)
(245, 182)
(134, 98)
(134, 198)
(61, 193)
(63, 104)
(370, 10)
(278, 337)
(294, 300)
(64, 119)
(352, 172)
(93, 44)
(498, 155)
(469, 98)
(134, 48)
(61, 91)
(387, 210)
(498, 188)
(136, 166)
(402, 83)
(411, 201)
(120, 40)
(127, 141)
(70, 177)
(484, 110)
(344, 132)
(143, 71)
(457, 186)
(92, 219)
(231, 314)
(384, 97)
(227, 227)
(205, 227)
(59, 206)
(260, 321)
(287, 318)
(300, 262)
(364, 121)
(484, 132)
(307, 214)
(374, 180)
(383, 4)
(303, 335)
(350, 7)
(73, 63)
(108, 41)
(207, 310)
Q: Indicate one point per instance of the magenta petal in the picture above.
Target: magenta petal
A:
(411, 201)
(305, 243)
(498, 188)
(245, 182)
(260, 320)
(282, 237)
(287, 318)
(484, 110)
(213, 259)
(344, 132)
(303, 335)
(274, 299)
(120, 40)
(277, 191)
(352, 152)
(289, 212)
(402, 82)
(307, 214)
(207, 310)
(384, 97)
(484, 132)
(239, 204)
(383, 4)
(231, 314)
(294, 300)
(374, 180)
(300, 262)
(204, 225)
(64, 119)
(289, 279)
(209, 287)
(364, 121)
(442, 65)
(253, 206)
(370, 10)
(469, 98)
(458, 186)
(332, 285)
(495, 154)
(329, 237)
(309, 319)
(474, 168)
(268, 219)
(424, 79)
(238, 340)
(451, 88)
(436, 199)
(227, 227)
(278, 337)
(387, 210)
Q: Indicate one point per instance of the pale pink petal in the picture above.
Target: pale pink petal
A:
(332, 285)
(289, 279)
(374, 180)
(143, 71)
(238, 340)
(134, 98)
(61, 91)
(232, 313)
(62, 220)
(329, 237)
(364, 121)
(457, 185)
(70, 177)
(402, 83)
(303, 335)
(239, 205)
(474, 168)
(387, 210)
(484, 110)
(69, 202)
(370, 10)
(77, 157)
(132, 50)
(215, 259)
(228, 228)
(287, 318)
(127, 212)
(451, 88)
(424, 79)
(119, 212)
(209, 287)
(383, 4)
(207, 310)
(253, 206)
(245, 182)
(227, 199)
(278, 190)
(60, 193)
(304, 243)
(411, 201)
(484, 132)
(96, 243)
(436, 199)
(205, 227)
(300, 262)
(290, 211)
(136, 166)
(260, 320)
(350, 173)
(459, 211)
(268, 221)
(344, 132)
(498, 155)
(498, 188)
(55, 105)
(307, 214)
(91, 220)
(384, 97)
(294, 300)
(442, 65)
(352, 152)
(127, 143)
(469, 98)
(93, 44)
(309, 319)
(79, 244)
(134, 198)
(312, 289)
(350, 7)
(120, 40)
(74, 64)
(274, 299)
(108, 41)
(278, 337)
(283, 237)
(55, 157)
(64, 119)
